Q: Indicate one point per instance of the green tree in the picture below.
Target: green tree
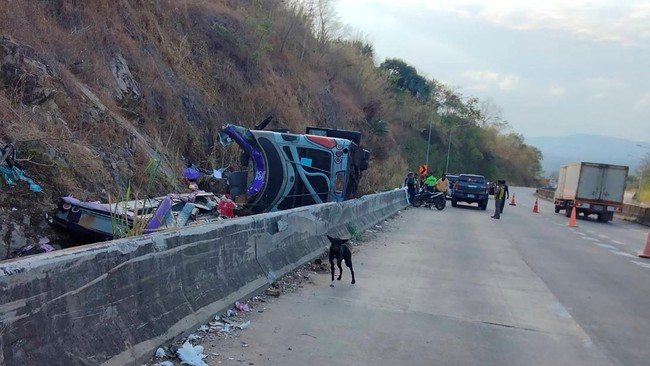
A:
(405, 77)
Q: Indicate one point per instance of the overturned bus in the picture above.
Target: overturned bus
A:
(285, 170)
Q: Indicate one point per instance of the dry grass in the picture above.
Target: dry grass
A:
(199, 48)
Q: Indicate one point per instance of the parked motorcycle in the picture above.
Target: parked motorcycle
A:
(436, 199)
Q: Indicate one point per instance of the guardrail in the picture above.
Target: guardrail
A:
(637, 213)
(113, 303)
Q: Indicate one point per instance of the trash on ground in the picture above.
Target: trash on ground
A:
(43, 246)
(191, 355)
(164, 363)
(160, 353)
(11, 171)
(193, 337)
(272, 292)
(242, 307)
(203, 328)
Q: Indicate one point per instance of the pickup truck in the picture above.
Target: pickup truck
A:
(470, 188)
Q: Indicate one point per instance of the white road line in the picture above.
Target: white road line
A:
(618, 242)
(623, 254)
(606, 246)
(603, 236)
(580, 233)
(642, 264)
(592, 239)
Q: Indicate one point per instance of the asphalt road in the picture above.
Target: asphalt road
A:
(458, 288)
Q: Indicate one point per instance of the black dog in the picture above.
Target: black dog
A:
(341, 252)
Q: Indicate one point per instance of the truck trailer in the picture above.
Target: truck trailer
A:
(592, 188)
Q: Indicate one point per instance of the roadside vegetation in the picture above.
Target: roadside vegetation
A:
(639, 182)
(90, 91)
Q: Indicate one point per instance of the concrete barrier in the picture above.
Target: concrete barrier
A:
(637, 213)
(113, 303)
(546, 193)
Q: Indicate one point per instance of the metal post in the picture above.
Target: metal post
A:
(448, 151)
(429, 140)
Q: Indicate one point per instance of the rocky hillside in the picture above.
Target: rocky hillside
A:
(92, 91)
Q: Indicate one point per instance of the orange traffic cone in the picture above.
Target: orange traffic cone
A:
(535, 208)
(572, 219)
(645, 253)
(512, 202)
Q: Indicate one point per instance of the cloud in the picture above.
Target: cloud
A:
(508, 82)
(624, 22)
(485, 80)
(643, 102)
(605, 83)
(556, 91)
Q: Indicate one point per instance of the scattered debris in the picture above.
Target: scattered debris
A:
(272, 292)
(191, 355)
(107, 221)
(160, 353)
(11, 171)
(242, 307)
(193, 337)
(164, 363)
(43, 246)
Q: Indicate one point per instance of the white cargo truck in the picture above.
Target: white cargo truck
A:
(593, 189)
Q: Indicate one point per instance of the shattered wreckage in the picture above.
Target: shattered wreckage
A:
(280, 170)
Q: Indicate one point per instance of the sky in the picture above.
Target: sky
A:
(555, 67)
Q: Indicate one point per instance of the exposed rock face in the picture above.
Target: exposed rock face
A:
(22, 74)
(128, 93)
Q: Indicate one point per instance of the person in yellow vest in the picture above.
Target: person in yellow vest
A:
(430, 182)
(499, 199)
(443, 184)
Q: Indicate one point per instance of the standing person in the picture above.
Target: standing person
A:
(507, 197)
(443, 184)
(430, 182)
(499, 198)
(410, 184)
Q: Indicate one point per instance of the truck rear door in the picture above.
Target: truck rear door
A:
(613, 186)
(589, 185)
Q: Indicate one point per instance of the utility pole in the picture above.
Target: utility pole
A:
(429, 140)
(448, 151)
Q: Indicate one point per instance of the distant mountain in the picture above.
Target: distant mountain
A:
(592, 148)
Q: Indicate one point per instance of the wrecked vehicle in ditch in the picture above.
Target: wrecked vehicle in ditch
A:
(285, 170)
(282, 170)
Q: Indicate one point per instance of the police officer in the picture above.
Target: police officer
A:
(430, 182)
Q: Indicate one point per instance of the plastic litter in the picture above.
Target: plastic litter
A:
(191, 355)
(244, 325)
(164, 363)
(193, 337)
(272, 292)
(242, 307)
(203, 328)
(160, 352)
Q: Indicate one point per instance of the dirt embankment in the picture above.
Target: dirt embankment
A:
(91, 92)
